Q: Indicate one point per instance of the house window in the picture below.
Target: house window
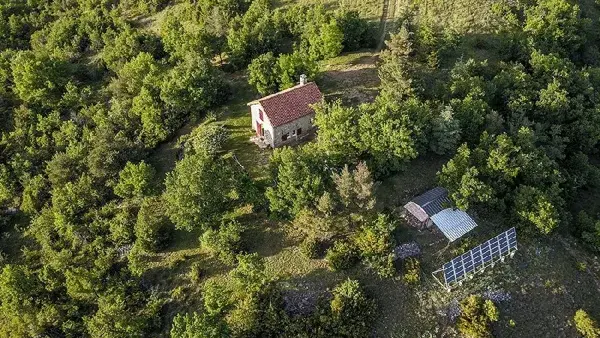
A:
(260, 115)
(299, 131)
(285, 136)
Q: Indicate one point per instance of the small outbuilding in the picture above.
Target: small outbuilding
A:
(433, 208)
(418, 212)
(287, 116)
(453, 223)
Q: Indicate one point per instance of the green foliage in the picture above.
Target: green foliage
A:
(355, 189)
(291, 66)
(298, 176)
(25, 309)
(586, 326)
(341, 256)
(224, 242)
(310, 247)
(351, 310)
(198, 326)
(200, 189)
(375, 242)
(412, 271)
(39, 79)
(253, 34)
(476, 317)
(193, 86)
(445, 133)
(153, 228)
(357, 32)
(533, 206)
(135, 180)
(554, 26)
(263, 75)
(121, 315)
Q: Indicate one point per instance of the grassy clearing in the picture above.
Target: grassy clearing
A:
(351, 77)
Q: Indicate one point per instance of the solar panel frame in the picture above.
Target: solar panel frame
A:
(480, 256)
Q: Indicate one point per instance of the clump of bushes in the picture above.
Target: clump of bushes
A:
(476, 317)
(412, 271)
(341, 256)
(586, 325)
(310, 247)
(225, 242)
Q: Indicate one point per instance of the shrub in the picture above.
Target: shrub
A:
(586, 325)
(195, 273)
(223, 243)
(476, 316)
(153, 228)
(341, 256)
(310, 247)
(374, 243)
(412, 273)
(352, 312)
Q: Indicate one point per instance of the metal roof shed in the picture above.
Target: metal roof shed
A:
(453, 223)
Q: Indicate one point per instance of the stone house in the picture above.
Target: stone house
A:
(285, 117)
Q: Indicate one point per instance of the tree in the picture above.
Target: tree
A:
(533, 206)
(351, 311)
(199, 190)
(337, 129)
(291, 66)
(476, 317)
(396, 70)
(224, 242)
(298, 181)
(554, 26)
(148, 108)
(325, 42)
(199, 326)
(25, 309)
(192, 86)
(374, 242)
(586, 325)
(263, 74)
(357, 33)
(135, 180)
(355, 189)
(152, 228)
(39, 79)
(446, 132)
(122, 315)
(463, 180)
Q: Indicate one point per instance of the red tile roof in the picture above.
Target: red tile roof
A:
(290, 104)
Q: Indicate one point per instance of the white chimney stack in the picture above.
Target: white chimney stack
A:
(302, 79)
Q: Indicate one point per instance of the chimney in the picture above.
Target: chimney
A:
(302, 79)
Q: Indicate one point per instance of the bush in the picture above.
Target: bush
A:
(375, 243)
(195, 273)
(153, 228)
(310, 247)
(586, 325)
(412, 272)
(341, 256)
(223, 243)
(476, 316)
(352, 312)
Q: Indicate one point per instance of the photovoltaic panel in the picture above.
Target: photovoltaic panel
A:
(480, 256)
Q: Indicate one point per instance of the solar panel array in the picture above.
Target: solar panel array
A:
(480, 257)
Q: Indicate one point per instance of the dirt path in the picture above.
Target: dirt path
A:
(387, 15)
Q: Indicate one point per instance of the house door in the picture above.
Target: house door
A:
(259, 129)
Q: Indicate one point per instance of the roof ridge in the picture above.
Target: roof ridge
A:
(283, 91)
